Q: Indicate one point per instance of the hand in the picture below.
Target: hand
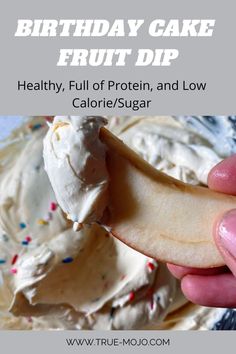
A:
(216, 286)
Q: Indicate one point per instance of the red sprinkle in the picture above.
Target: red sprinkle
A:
(151, 266)
(28, 239)
(13, 270)
(14, 259)
(53, 206)
(49, 119)
(131, 296)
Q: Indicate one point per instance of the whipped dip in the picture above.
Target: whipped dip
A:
(167, 145)
(74, 160)
(62, 279)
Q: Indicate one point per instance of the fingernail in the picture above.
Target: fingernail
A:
(227, 232)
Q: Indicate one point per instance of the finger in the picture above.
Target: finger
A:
(225, 238)
(211, 290)
(179, 272)
(222, 177)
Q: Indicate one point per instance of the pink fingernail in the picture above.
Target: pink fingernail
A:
(227, 232)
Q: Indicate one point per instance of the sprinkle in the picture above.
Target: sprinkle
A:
(29, 319)
(2, 261)
(28, 239)
(123, 276)
(34, 127)
(131, 296)
(22, 225)
(49, 119)
(42, 222)
(53, 206)
(67, 260)
(14, 259)
(25, 243)
(150, 266)
(13, 270)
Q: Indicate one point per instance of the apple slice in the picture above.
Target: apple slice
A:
(158, 215)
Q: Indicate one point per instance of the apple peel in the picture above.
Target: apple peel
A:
(158, 215)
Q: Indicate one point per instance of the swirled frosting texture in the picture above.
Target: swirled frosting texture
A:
(75, 163)
(61, 278)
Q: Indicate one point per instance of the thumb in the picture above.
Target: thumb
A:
(225, 238)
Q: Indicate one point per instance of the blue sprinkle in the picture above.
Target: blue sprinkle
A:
(36, 126)
(22, 225)
(2, 261)
(25, 243)
(67, 260)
